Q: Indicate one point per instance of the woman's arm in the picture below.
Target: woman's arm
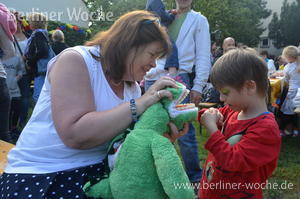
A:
(74, 112)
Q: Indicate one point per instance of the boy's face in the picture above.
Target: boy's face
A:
(141, 60)
(237, 100)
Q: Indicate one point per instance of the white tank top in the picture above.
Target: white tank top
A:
(40, 149)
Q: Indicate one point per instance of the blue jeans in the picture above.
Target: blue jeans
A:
(38, 85)
(187, 143)
(24, 85)
(172, 59)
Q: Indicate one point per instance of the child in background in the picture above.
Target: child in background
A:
(292, 75)
(270, 62)
(280, 63)
(244, 142)
(166, 18)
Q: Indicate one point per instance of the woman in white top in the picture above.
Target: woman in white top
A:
(84, 103)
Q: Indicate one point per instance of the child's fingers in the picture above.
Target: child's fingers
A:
(221, 117)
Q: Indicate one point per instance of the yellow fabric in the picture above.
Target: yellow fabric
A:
(281, 67)
(276, 89)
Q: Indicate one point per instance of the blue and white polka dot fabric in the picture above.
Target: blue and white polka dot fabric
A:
(58, 185)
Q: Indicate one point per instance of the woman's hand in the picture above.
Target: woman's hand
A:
(156, 92)
(175, 134)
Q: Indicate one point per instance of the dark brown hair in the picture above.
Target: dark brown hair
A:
(131, 31)
(264, 52)
(236, 67)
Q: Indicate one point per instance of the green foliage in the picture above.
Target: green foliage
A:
(240, 19)
(286, 30)
(72, 37)
(275, 32)
(114, 8)
(99, 10)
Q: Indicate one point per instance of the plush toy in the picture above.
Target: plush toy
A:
(147, 165)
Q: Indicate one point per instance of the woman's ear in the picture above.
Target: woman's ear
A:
(250, 86)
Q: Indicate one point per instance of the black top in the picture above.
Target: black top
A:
(38, 49)
(58, 47)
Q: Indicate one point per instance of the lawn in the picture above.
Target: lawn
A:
(288, 170)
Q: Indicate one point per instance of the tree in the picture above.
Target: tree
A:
(286, 30)
(98, 10)
(240, 19)
(105, 12)
(275, 32)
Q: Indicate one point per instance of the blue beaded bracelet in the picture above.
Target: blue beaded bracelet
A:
(133, 110)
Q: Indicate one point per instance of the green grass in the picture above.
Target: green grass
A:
(288, 169)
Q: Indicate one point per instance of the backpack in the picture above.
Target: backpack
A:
(43, 62)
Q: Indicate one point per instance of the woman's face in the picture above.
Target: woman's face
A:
(141, 60)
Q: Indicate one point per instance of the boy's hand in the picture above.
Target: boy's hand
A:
(210, 119)
(221, 118)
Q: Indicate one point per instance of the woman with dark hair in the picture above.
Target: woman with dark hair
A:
(38, 51)
(83, 105)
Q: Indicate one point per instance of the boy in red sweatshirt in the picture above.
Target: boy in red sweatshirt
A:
(244, 142)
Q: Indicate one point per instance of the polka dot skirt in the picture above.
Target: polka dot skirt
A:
(59, 185)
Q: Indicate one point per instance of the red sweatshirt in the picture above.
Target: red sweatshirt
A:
(231, 169)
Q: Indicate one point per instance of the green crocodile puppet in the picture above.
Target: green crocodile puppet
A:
(147, 165)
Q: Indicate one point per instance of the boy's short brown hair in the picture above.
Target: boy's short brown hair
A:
(236, 67)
